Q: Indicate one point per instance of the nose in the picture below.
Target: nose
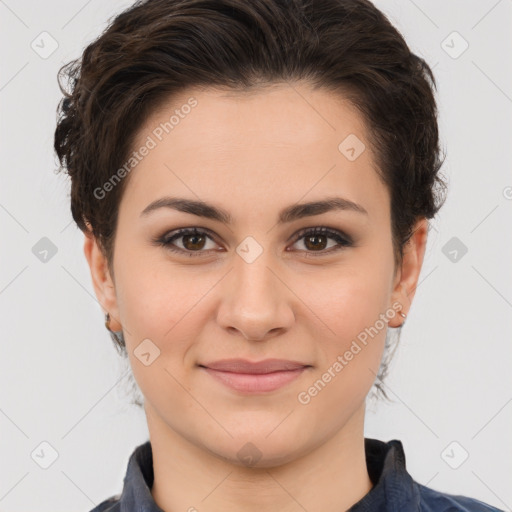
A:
(256, 302)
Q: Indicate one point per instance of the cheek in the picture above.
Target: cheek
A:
(164, 303)
(349, 297)
(142, 294)
(163, 307)
(350, 353)
(347, 308)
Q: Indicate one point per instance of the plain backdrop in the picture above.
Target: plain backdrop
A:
(62, 392)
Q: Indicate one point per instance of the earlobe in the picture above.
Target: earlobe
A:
(414, 252)
(102, 281)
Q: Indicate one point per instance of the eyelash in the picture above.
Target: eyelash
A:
(342, 239)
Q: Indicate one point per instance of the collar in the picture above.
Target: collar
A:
(393, 487)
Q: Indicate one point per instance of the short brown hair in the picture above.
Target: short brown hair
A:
(157, 48)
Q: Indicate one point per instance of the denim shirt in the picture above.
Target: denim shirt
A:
(393, 489)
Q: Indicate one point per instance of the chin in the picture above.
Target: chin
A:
(259, 450)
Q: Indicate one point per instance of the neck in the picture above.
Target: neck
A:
(331, 477)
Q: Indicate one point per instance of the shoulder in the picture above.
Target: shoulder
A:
(437, 501)
(109, 505)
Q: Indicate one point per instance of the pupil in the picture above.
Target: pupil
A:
(188, 237)
(315, 237)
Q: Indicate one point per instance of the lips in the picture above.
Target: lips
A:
(249, 367)
(258, 377)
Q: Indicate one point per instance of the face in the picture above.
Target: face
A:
(264, 285)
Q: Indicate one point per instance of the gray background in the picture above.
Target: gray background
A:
(61, 379)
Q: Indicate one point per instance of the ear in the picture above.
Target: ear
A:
(408, 274)
(102, 280)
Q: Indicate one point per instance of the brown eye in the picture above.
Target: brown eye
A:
(316, 240)
(193, 241)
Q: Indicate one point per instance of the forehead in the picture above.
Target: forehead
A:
(276, 114)
(277, 144)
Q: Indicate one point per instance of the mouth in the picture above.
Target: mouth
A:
(254, 377)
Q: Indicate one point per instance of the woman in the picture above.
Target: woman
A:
(254, 181)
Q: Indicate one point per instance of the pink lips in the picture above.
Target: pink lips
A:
(254, 377)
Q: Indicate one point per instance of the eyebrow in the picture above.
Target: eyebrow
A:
(288, 214)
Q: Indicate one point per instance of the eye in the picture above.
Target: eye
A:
(194, 241)
(316, 239)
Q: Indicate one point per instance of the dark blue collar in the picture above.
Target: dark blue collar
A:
(393, 488)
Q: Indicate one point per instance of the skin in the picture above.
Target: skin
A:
(252, 155)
